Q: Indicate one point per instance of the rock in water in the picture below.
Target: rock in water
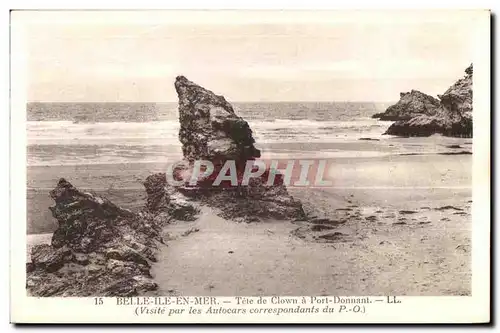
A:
(210, 130)
(99, 249)
(452, 118)
(411, 104)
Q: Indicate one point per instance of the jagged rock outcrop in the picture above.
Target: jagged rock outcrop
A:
(458, 97)
(253, 202)
(410, 105)
(85, 221)
(210, 130)
(452, 118)
(99, 249)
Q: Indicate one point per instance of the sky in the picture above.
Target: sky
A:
(86, 60)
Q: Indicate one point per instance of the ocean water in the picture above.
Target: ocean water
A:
(107, 133)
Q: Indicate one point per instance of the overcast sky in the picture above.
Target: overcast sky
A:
(323, 61)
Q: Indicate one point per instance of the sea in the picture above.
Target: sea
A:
(109, 133)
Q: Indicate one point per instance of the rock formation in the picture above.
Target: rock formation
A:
(410, 105)
(163, 198)
(209, 127)
(99, 249)
(452, 118)
(210, 130)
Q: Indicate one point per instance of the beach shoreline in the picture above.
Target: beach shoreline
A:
(381, 252)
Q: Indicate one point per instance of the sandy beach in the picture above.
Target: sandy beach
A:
(383, 256)
(405, 231)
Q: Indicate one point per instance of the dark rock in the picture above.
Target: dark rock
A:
(127, 287)
(81, 258)
(55, 287)
(97, 258)
(460, 213)
(321, 227)
(406, 212)
(321, 232)
(469, 70)
(411, 104)
(146, 250)
(163, 198)
(324, 221)
(86, 221)
(126, 268)
(253, 209)
(30, 267)
(99, 249)
(463, 248)
(190, 231)
(332, 236)
(368, 139)
(209, 127)
(452, 118)
(445, 123)
(158, 198)
(49, 258)
(181, 208)
(125, 253)
(448, 207)
(210, 130)
(463, 152)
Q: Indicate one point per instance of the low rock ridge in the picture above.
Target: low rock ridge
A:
(453, 117)
(99, 249)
